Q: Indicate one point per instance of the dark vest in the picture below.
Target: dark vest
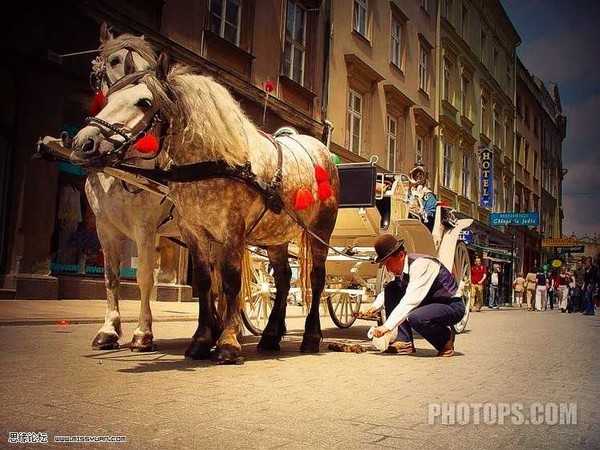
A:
(443, 289)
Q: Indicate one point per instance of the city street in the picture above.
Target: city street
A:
(54, 382)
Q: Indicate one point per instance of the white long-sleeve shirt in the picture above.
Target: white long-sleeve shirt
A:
(422, 273)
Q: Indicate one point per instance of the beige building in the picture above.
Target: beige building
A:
(475, 103)
(382, 85)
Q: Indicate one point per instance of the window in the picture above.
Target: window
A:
(484, 114)
(396, 43)
(526, 115)
(354, 121)
(419, 150)
(425, 5)
(447, 10)
(508, 73)
(495, 63)
(535, 163)
(465, 22)
(360, 16)
(295, 42)
(465, 96)
(483, 47)
(496, 130)
(391, 130)
(518, 202)
(466, 175)
(448, 148)
(507, 133)
(519, 106)
(423, 68)
(535, 126)
(225, 18)
(526, 155)
(447, 81)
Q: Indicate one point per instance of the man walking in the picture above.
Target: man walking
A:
(519, 287)
(478, 277)
(540, 291)
(494, 284)
(431, 304)
(590, 278)
(531, 282)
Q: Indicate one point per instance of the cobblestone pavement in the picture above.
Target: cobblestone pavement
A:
(52, 381)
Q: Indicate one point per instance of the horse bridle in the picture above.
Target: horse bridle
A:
(151, 119)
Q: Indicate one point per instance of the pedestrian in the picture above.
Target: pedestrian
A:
(572, 291)
(494, 284)
(541, 289)
(530, 289)
(519, 288)
(431, 304)
(563, 291)
(590, 279)
(478, 277)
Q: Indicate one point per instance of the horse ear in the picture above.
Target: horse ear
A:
(162, 66)
(105, 33)
(129, 65)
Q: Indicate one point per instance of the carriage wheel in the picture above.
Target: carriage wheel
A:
(258, 307)
(462, 272)
(343, 307)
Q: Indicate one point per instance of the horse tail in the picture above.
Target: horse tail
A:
(246, 286)
(305, 261)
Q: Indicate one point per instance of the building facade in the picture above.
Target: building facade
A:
(382, 82)
(227, 39)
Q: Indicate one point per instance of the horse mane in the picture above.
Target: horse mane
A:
(203, 115)
(136, 44)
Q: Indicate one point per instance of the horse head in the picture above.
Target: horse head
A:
(130, 121)
(118, 55)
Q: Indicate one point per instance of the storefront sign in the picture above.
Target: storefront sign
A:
(486, 166)
(515, 218)
(560, 242)
(572, 249)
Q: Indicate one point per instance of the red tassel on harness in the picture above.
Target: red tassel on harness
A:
(324, 191)
(147, 144)
(321, 174)
(304, 199)
(98, 103)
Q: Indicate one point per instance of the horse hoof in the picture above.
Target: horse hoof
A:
(142, 343)
(269, 343)
(310, 344)
(198, 350)
(228, 354)
(105, 341)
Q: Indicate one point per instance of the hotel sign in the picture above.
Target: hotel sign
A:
(486, 166)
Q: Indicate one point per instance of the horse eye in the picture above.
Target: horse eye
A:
(113, 62)
(144, 103)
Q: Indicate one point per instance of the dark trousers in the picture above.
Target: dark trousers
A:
(432, 321)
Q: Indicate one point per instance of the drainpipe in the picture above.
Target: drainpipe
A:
(436, 107)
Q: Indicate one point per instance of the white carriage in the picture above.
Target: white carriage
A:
(370, 204)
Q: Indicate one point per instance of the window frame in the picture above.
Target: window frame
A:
(399, 39)
(223, 20)
(352, 115)
(466, 175)
(465, 100)
(357, 6)
(294, 44)
(447, 177)
(447, 80)
(389, 138)
(423, 67)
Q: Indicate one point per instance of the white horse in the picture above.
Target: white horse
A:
(219, 216)
(122, 212)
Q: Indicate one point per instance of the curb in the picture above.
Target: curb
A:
(27, 322)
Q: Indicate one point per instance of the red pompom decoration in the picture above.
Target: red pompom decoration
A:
(269, 86)
(98, 103)
(321, 174)
(304, 199)
(147, 144)
(324, 191)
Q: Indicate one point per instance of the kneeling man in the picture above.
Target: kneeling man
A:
(430, 303)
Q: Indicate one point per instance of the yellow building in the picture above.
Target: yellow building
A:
(382, 84)
(475, 103)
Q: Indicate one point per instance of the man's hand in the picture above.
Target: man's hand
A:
(371, 312)
(380, 331)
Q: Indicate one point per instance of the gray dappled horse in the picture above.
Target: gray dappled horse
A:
(121, 212)
(219, 216)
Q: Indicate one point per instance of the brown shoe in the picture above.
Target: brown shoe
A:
(401, 348)
(448, 349)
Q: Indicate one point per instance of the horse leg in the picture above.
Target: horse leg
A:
(142, 340)
(228, 346)
(275, 329)
(107, 337)
(205, 336)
